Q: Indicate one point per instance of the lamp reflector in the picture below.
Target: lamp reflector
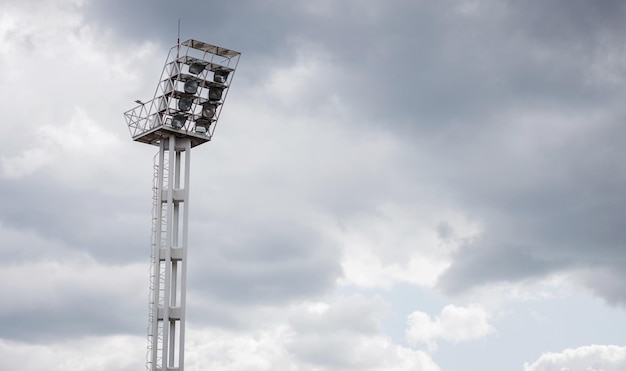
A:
(202, 125)
(184, 103)
(178, 121)
(196, 68)
(215, 93)
(220, 76)
(209, 109)
(191, 86)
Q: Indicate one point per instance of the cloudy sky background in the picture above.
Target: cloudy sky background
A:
(393, 185)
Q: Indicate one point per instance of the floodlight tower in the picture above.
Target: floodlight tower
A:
(183, 114)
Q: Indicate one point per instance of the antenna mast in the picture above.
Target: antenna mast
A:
(178, 41)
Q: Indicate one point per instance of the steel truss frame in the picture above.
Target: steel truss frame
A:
(150, 121)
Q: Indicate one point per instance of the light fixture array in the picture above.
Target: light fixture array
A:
(190, 94)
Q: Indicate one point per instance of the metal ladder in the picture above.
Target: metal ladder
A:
(154, 245)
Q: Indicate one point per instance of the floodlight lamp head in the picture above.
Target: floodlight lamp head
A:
(196, 68)
(178, 121)
(220, 76)
(215, 93)
(191, 86)
(184, 103)
(209, 109)
(202, 125)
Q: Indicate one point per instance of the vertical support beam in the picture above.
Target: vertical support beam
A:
(185, 229)
(170, 271)
(175, 263)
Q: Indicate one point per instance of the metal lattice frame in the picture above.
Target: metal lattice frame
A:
(150, 121)
(175, 128)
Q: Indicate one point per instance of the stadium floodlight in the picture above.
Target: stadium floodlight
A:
(215, 93)
(178, 121)
(183, 114)
(196, 68)
(184, 103)
(209, 109)
(194, 74)
(202, 125)
(220, 76)
(191, 86)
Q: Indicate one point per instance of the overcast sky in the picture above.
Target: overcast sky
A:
(393, 185)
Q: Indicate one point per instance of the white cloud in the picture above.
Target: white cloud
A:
(61, 282)
(455, 324)
(72, 149)
(272, 349)
(397, 244)
(498, 296)
(587, 358)
(211, 348)
(303, 80)
(341, 351)
(58, 298)
(334, 335)
(123, 353)
(25, 163)
(68, 84)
